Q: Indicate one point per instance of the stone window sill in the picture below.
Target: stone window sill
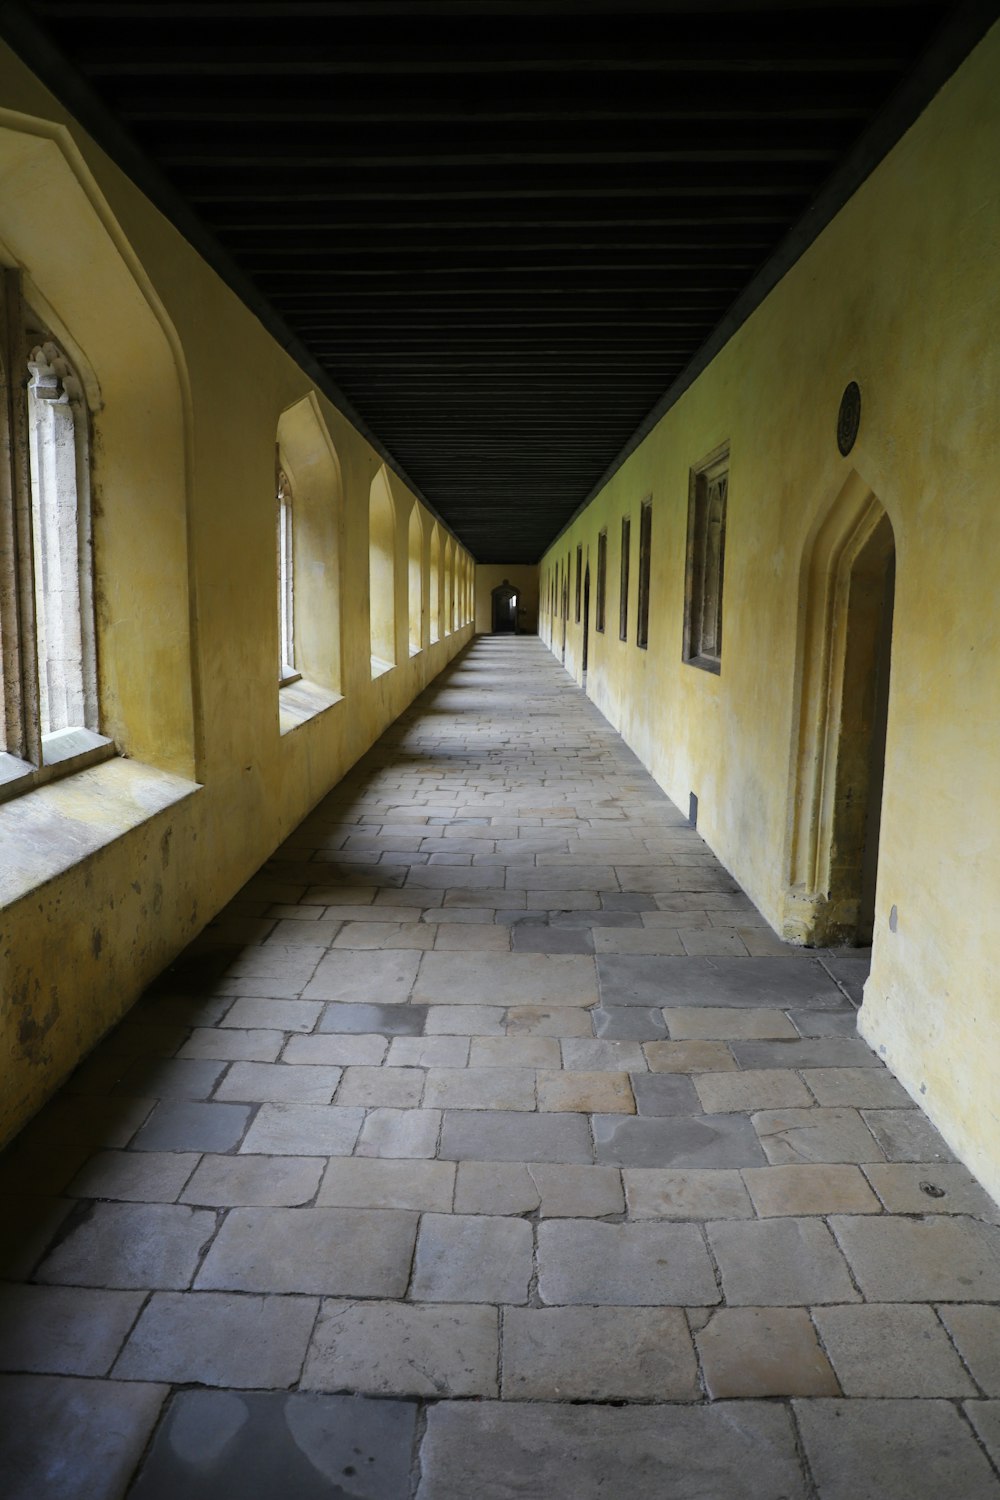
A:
(301, 701)
(63, 754)
(380, 667)
(58, 825)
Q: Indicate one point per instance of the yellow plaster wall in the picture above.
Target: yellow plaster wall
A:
(106, 876)
(901, 292)
(524, 578)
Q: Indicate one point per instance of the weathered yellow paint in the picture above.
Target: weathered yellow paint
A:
(901, 293)
(108, 875)
(524, 578)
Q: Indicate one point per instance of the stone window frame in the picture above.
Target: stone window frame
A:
(645, 550)
(704, 581)
(287, 670)
(46, 557)
(625, 563)
(601, 589)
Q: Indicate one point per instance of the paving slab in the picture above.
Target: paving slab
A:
(515, 1051)
(763, 1351)
(302, 1444)
(337, 1252)
(472, 1258)
(492, 1088)
(400, 1133)
(506, 979)
(233, 1045)
(381, 1020)
(907, 1135)
(809, 1189)
(634, 1265)
(302, 1130)
(780, 1263)
(985, 1418)
(891, 1349)
(677, 1141)
(913, 1260)
(363, 1049)
(387, 1087)
(502, 1450)
(714, 1023)
(377, 978)
(665, 1193)
(73, 1439)
(399, 1349)
(493, 1135)
(259, 1083)
(464, 1020)
(931, 1188)
(171, 1078)
(975, 1332)
(142, 1245)
(662, 1094)
(254, 1181)
(548, 1021)
(590, 1056)
(598, 1354)
(689, 1057)
(761, 1088)
(585, 1093)
(758, 983)
(261, 1013)
(892, 1450)
(428, 1052)
(134, 1176)
(64, 1330)
(817, 1135)
(373, 1182)
(190, 1125)
(807, 1052)
(220, 1339)
(626, 1023)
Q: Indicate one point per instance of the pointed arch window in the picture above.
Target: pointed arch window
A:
(48, 659)
(706, 556)
(287, 672)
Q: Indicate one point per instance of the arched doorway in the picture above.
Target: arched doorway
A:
(849, 589)
(504, 598)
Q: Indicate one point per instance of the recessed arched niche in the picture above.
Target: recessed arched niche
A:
(85, 284)
(308, 458)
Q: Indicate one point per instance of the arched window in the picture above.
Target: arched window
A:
(48, 657)
(286, 581)
(415, 551)
(434, 585)
(449, 585)
(382, 574)
(308, 492)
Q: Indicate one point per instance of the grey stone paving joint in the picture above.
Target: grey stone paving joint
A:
(490, 1144)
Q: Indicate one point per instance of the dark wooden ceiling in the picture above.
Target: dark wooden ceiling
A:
(504, 228)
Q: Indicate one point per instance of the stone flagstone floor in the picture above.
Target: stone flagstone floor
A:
(490, 1145)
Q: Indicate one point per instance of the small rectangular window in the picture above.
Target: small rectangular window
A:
(645, 539)
(706, 554)
(579, 581)
(602, 578)
(623, 578)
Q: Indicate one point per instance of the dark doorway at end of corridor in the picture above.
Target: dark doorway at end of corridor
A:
(504, 609)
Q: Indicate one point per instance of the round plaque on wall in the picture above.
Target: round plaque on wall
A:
(849, 418)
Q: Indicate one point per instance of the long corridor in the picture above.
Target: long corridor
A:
(491, 1145)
